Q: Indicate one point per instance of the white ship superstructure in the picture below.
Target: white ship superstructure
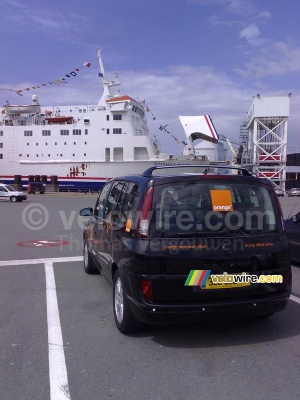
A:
(83, 144)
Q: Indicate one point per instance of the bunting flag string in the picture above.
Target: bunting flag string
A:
(64, 79)
(163, 127)
(148, 110)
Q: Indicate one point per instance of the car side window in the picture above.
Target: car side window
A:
(116, 197)
(129, 198)
(121, 198)
(99, 207)
(113, 198)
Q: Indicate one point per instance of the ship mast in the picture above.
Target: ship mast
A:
(101, 67)
(110, 89)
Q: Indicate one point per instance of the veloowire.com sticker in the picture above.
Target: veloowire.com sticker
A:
(205, 280)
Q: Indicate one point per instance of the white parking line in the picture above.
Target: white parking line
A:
(294, 298)
(58, 376)
(40, 261)
(59, 385)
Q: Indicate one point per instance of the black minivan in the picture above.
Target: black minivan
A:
(162, 237)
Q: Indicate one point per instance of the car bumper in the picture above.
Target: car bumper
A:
(237, 308)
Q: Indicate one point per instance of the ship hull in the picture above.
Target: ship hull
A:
(82, 174)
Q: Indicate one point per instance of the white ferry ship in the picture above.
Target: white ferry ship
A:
(85, 145)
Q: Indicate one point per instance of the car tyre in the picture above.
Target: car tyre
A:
(13, 199)
(124, 318)
(88, 263)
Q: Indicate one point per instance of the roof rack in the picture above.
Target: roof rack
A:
(243, 171)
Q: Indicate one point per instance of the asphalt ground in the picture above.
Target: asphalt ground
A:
(58, 339)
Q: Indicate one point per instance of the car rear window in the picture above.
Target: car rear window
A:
(214, 207)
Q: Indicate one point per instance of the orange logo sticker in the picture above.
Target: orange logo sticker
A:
(221, 200)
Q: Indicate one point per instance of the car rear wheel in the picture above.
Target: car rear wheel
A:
(13, 199)
(124, 318)
(88, 263)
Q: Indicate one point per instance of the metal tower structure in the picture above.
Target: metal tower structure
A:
(267, 122)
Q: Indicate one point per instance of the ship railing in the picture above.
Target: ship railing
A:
(140, 133)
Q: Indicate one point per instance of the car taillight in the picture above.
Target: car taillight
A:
(144, 215)
(287, 279)
(147, 290)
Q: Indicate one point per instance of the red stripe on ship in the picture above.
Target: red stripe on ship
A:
(82, 178)
(210, 127)
(65, 178)
(59, 177)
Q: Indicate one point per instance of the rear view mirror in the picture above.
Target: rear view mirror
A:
(86, 212)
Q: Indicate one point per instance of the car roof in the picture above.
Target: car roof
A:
(164, 178)
(169, 173)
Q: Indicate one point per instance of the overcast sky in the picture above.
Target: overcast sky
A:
(185, 57)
